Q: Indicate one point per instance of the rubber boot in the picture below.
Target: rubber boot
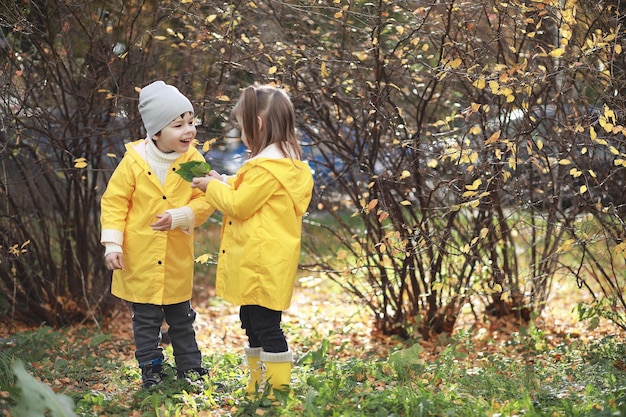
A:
(276, 372)
(254, 363)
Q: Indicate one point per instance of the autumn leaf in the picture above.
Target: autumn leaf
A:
(480, 83)
(493, 138)
(557, 52)
(372, 204)
(191, 169)
(474, 185)
(80, 163)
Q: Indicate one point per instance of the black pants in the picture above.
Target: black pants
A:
(263, 329)
(147, 321)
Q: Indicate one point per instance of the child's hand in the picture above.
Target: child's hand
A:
(163, 223)
(203, 182)
(114, 261)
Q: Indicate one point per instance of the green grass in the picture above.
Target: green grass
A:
(521, 378)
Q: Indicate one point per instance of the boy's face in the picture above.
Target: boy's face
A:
(178, 135)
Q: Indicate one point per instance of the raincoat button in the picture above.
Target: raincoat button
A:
(223, 251)
(229, 223)
(164, 198)
(149, 173)
(174, 169)
(160, 262)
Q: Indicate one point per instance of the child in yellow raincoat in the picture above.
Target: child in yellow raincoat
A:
(148, 219)
(263, 205)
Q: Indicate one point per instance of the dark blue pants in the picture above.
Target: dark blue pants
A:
(147, 321)
(262, 327)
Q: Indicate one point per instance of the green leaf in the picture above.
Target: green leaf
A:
(37, 397)
(191, 169)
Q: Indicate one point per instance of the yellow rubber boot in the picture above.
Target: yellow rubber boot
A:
(276, 368)
(254, 363)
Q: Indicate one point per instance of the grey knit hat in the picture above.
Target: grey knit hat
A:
(159, 104)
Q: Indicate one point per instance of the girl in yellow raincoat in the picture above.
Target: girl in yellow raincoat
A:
(148, 218)
(263, 205)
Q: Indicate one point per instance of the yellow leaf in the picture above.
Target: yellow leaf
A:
(372, 204)
(361, 55)
(583, 189)
(160, 37)
(433, 163)
(211, 18)
(223, 98)
(575, 172)
(565, 246)
(497, 288)
(272, 70)
(592, 133)
(475, 130)
(474, 185)
(608, 113)
(493, 138)
(557, 52)
(437, 286)
(474, 203)
(323, 71)
(80, 164)
(202, 259)
(480, 83)
(405, 174)
(405, 203)
(494, 86)
(111, 155)
(342, 254)
(339, 15)
(506, 296)
(244, 38)
(613, 150)
(455, 64)
(565, 162)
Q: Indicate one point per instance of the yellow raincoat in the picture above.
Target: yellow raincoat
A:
(259, 251)
(158, 265)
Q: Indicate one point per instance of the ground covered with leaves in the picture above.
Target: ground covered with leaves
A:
(491, 367)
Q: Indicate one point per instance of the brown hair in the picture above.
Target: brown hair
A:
(276, 111)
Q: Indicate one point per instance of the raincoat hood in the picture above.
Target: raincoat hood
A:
(294, 177)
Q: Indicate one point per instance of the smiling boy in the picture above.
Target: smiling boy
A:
(148, 218)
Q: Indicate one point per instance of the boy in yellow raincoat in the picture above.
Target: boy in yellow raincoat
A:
(263, 205)
(148, 219)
